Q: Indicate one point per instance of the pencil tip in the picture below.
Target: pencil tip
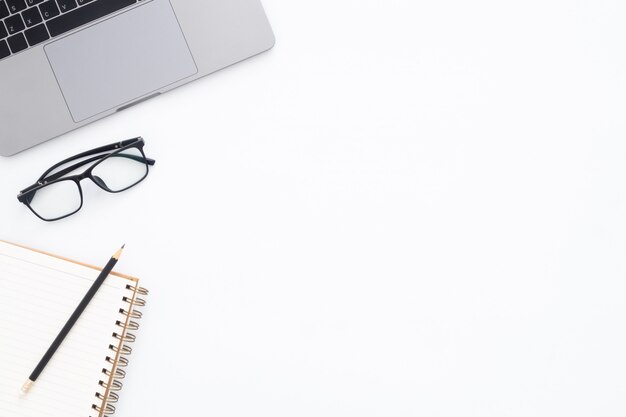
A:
(26, 386)
(119, 253)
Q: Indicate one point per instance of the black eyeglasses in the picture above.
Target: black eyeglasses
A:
(115, 168)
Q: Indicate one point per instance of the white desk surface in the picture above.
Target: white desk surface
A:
(406, 208)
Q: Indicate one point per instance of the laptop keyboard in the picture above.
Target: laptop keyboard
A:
(26, 23)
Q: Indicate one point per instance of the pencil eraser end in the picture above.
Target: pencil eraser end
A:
(26, 386)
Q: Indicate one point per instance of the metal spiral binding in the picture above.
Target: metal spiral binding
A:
(113, 373)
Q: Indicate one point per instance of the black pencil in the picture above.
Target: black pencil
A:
(72, 320)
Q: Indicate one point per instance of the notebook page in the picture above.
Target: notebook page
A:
(38, 293)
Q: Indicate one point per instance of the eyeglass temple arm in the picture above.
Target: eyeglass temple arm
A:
(60, 174)
(102, 149)
(24, 195)
(54, 177)
(71, 168)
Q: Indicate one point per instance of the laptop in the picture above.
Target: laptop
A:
(67, 63)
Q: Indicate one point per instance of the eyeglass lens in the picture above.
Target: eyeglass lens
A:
(56, 200)
(121, 171)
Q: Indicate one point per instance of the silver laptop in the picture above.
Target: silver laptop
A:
(66, 63)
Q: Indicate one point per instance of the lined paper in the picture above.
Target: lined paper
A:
(38, 293)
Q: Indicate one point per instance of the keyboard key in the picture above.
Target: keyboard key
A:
(49, 9)
(17, 43)
(4, 10)
(85, 14)
(33, 2)
(14, 24)
(32, 17)
(16, 6)
(81, 2)
(37, 35)
(3, 31)
(66, 5)
(4, 49)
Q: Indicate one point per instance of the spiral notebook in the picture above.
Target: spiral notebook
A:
(38, 293)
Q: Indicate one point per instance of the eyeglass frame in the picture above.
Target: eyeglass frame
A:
(113, 149)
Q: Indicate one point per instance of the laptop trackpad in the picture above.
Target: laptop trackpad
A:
(120, 60)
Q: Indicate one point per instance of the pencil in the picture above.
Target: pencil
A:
(72, 320)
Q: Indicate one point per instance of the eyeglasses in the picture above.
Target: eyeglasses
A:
(114, 168)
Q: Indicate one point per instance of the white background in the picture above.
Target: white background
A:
(407, 208)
